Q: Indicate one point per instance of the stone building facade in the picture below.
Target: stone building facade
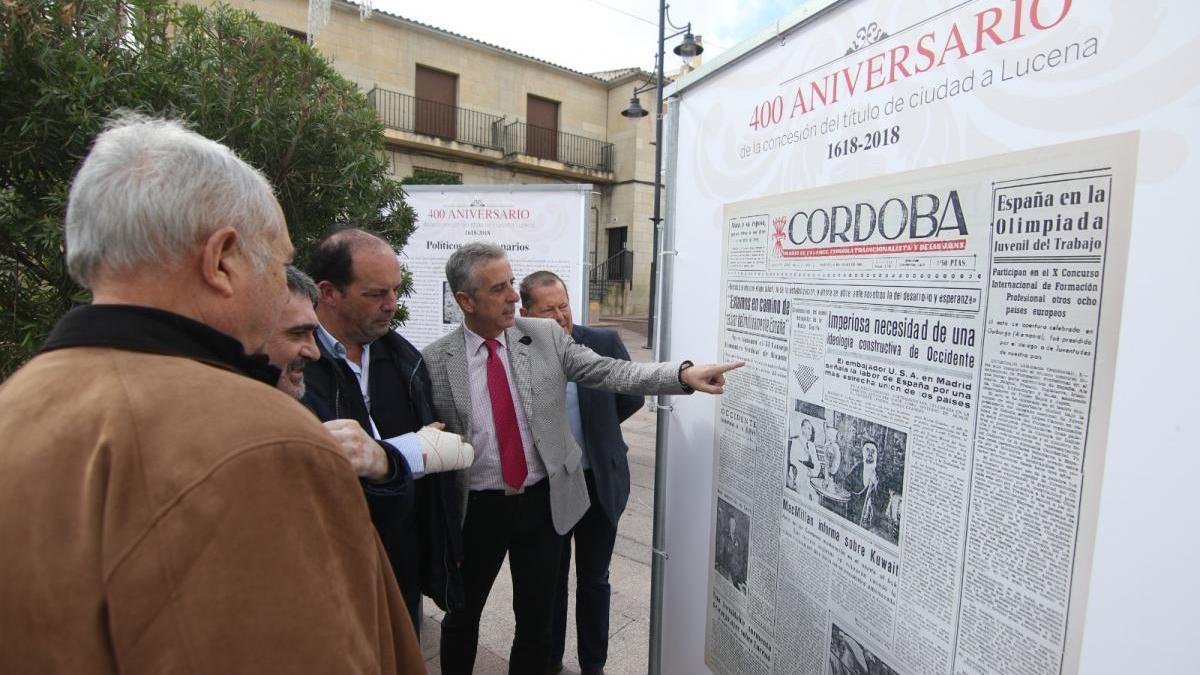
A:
(489, 115)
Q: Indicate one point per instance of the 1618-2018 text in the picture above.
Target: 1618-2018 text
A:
(866, 141)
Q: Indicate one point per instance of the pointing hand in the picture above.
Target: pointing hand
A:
(709, 377)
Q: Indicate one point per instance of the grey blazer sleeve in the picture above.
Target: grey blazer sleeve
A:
(588, 368)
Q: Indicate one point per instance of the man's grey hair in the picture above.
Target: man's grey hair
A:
(151, 189)
(460, 268)
(539, 279)
(301, 284)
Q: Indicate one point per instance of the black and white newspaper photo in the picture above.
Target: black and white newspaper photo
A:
(733, 542)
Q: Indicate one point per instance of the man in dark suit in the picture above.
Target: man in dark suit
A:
(595, 418)
(368, 373)
(502, 380)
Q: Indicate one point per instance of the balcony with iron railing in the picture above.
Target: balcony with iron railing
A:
(525, 139)
(491, 137)
(447, 122)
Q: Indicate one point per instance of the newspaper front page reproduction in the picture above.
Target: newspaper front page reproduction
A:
(908, 467)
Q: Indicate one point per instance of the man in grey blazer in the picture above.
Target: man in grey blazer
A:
(595, 418)
(501, 381)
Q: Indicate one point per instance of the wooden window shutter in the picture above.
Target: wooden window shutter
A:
(436, 111)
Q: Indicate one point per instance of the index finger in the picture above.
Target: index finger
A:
(729, 365)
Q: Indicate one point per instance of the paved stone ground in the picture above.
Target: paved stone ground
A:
(629, 635)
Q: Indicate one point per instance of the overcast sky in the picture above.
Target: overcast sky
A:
(593, 35)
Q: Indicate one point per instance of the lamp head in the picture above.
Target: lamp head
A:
(689, 48)
(635, 111)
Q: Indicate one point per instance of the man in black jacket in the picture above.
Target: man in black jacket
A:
(595, 418)
(381, 468)
(369, 373)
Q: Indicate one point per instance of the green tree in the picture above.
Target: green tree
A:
(65, 66)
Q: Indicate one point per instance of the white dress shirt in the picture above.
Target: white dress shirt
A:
(576, 422)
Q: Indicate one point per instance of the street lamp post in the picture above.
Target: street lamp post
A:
(687, 49)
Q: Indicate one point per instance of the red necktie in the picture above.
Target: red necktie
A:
(504, 417)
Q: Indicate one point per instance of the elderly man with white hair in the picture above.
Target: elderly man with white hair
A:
(163, 507)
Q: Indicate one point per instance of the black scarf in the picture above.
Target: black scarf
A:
(145, 329)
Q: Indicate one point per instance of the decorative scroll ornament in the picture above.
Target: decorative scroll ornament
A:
(866, 36)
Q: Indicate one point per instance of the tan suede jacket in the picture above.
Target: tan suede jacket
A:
(160, 514)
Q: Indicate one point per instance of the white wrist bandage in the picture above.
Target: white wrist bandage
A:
(444, 451)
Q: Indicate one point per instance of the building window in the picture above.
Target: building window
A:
(541, 136)
(437, 98)
(422, 176)
(298, 34)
